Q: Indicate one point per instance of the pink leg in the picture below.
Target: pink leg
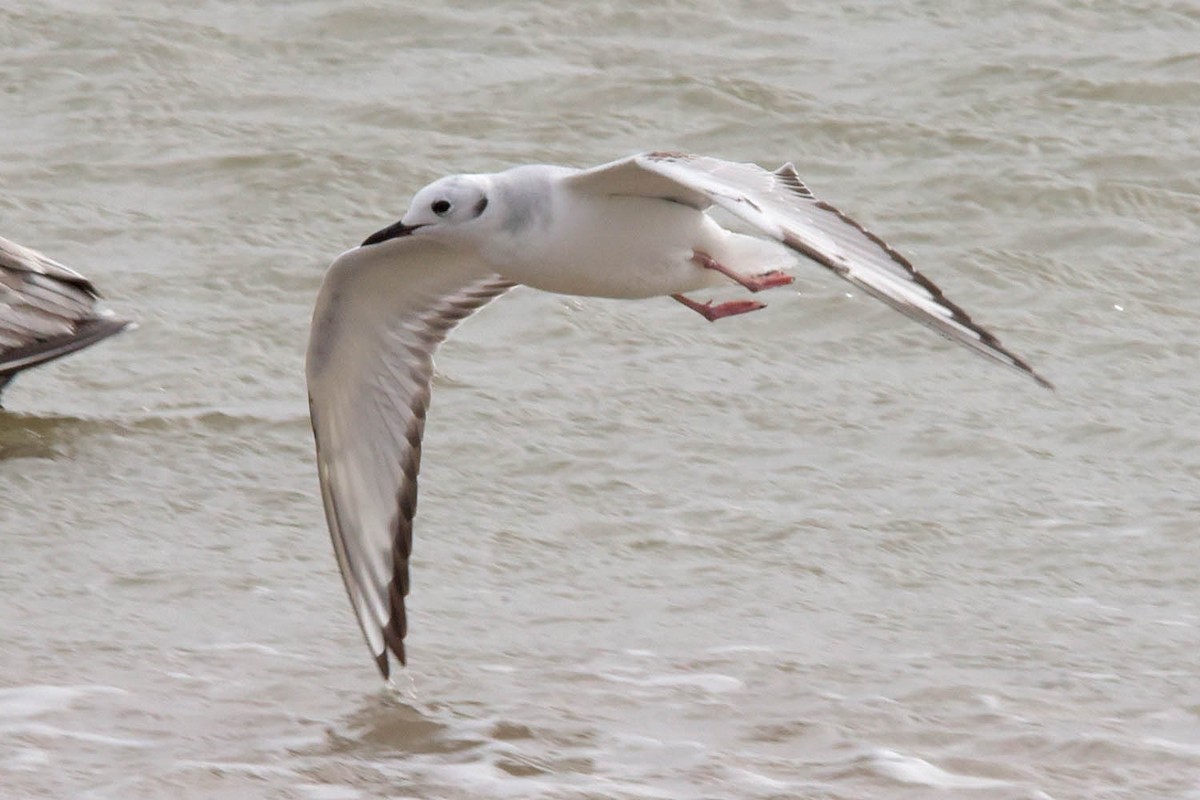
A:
(756, 283)
(713, 313)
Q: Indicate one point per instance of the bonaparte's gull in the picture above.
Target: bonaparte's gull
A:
(634, 228)
(46, 311)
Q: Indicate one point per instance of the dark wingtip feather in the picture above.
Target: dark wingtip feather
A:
(88, 333)
(381, 661)
(1042, 381)
(790, 179)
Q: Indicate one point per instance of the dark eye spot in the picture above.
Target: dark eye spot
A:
(480, 206)
(440, 207)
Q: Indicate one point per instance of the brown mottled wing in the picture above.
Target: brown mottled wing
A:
(782, 207)
(46, 311)
(380, 314)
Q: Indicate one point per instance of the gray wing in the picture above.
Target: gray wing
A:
(46, 311)
(381, 312)
(782, 207)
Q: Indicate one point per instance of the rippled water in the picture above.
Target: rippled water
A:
(811, 552)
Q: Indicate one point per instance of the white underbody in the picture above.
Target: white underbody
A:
(627, 247)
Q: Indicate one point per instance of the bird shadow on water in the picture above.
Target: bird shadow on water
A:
(458, 743)
(385, 724)
(30, 436)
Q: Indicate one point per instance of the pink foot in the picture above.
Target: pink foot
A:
(713, 313)
(755, 283)
(768, 280)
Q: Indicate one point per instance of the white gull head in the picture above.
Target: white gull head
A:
(448, 210)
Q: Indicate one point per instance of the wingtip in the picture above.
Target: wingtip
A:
(667, 155)
(790, 178)
(384, 663)
(120, 324)
(381, 661)
(1045, 384)
(1021, 365)
(111, 316)
(107, 324)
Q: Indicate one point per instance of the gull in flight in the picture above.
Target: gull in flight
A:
(635, 228)
(46, 311)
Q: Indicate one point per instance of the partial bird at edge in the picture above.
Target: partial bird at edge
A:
(46, 311)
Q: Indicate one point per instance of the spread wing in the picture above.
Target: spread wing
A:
(46, 311)
(380, 314)
(782, 207)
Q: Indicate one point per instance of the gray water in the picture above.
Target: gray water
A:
(812, 552)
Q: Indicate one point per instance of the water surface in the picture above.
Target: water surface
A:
(809, 552)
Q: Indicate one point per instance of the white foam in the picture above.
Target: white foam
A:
(740, 648)
(26, 758)
(42, 730)
(1167, 745)
(757, 780)
(241, 647)
(707, 681)
(22, 702)
(912, 770)
(323, 791)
